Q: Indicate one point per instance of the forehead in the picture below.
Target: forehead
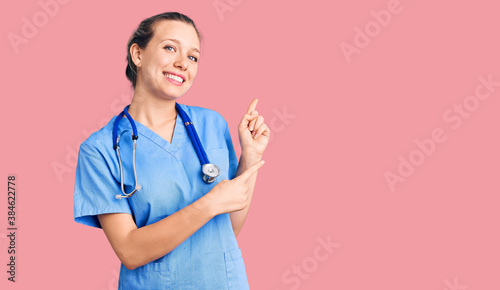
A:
(183, 32)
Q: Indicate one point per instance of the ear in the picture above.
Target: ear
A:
(135, 53)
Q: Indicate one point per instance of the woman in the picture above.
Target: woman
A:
(176, 231)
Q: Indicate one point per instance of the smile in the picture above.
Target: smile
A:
(174, 78)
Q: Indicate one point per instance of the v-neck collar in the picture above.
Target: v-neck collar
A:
(179, 135)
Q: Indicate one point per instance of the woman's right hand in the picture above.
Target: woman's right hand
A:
(232, 195)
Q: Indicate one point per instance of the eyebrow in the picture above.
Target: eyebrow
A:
(179, 43)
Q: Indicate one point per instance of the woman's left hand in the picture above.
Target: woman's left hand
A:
(253, 132)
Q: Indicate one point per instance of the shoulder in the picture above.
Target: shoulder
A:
(100, 140)
(204, 114)
(210, 125)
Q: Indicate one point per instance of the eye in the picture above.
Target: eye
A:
(194, 58)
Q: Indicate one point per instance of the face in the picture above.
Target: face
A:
(169, 63)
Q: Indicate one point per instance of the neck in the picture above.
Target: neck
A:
(152, 112)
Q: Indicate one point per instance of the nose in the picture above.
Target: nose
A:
(181, 62)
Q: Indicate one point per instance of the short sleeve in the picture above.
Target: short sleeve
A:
(95, 188)
(233, 160)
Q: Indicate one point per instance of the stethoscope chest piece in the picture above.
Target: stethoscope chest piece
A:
(210, 172)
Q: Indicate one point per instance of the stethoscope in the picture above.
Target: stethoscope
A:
(210, 171)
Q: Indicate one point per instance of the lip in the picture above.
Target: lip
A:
(174, 82)
(179, 75)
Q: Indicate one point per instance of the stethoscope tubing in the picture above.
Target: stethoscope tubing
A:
(135, 136)
(207, 167)
(193, 135)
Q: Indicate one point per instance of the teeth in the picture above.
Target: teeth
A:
(174, 77)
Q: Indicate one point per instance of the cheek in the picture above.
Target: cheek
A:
(149, 73)
(192, 74)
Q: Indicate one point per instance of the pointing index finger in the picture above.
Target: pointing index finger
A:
(252, 106)
(250, 171)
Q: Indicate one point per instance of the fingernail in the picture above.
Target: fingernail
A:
(251, 128)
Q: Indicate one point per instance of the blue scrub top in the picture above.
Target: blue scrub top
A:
(171, 179)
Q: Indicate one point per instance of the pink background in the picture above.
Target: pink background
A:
(350, 121)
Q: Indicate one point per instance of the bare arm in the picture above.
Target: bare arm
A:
(238, 217)
(136, 247)
(254, 135)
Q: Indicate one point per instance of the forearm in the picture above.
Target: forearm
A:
(153, 241)
(238, 217)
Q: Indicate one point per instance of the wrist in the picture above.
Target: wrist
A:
(251, 155)
(207, 204)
